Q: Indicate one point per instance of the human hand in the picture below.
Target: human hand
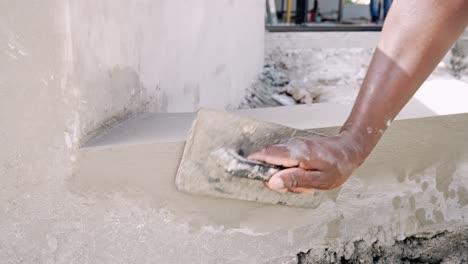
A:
(312, 163)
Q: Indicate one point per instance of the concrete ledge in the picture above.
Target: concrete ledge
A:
(415, 181)
(173, 127)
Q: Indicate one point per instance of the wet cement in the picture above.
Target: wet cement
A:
(415, 181)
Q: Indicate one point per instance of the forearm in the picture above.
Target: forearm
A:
(415, 37)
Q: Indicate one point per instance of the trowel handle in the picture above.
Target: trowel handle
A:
(239, 166)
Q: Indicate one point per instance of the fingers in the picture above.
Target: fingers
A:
(274, 188)
(275, 155)
(285, 190)
(300, 180)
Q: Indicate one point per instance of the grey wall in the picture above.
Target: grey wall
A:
(120, 57)
(69, 67)
(163, 56)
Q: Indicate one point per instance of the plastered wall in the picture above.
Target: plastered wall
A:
(115, 58)
(70, 67)
(163, 56)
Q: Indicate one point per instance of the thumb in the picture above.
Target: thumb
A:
(294, 178)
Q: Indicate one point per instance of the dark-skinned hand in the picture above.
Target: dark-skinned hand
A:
(312, 163)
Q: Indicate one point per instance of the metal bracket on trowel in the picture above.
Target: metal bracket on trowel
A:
(214, 164)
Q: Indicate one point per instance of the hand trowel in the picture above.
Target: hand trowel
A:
(214, 159)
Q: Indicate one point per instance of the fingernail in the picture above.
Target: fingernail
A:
(276, 183)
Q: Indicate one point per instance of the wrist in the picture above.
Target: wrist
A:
(359, 141)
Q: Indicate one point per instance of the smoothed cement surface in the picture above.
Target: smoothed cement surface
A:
(174, 127)
(415, 181)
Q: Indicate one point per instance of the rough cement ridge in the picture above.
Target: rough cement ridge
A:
(443, 247)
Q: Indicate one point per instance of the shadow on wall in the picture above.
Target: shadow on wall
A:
(128, 96)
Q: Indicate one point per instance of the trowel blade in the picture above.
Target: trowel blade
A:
(201, 173)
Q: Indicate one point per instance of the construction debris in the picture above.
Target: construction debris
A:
(305, 76)
(308, 76)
